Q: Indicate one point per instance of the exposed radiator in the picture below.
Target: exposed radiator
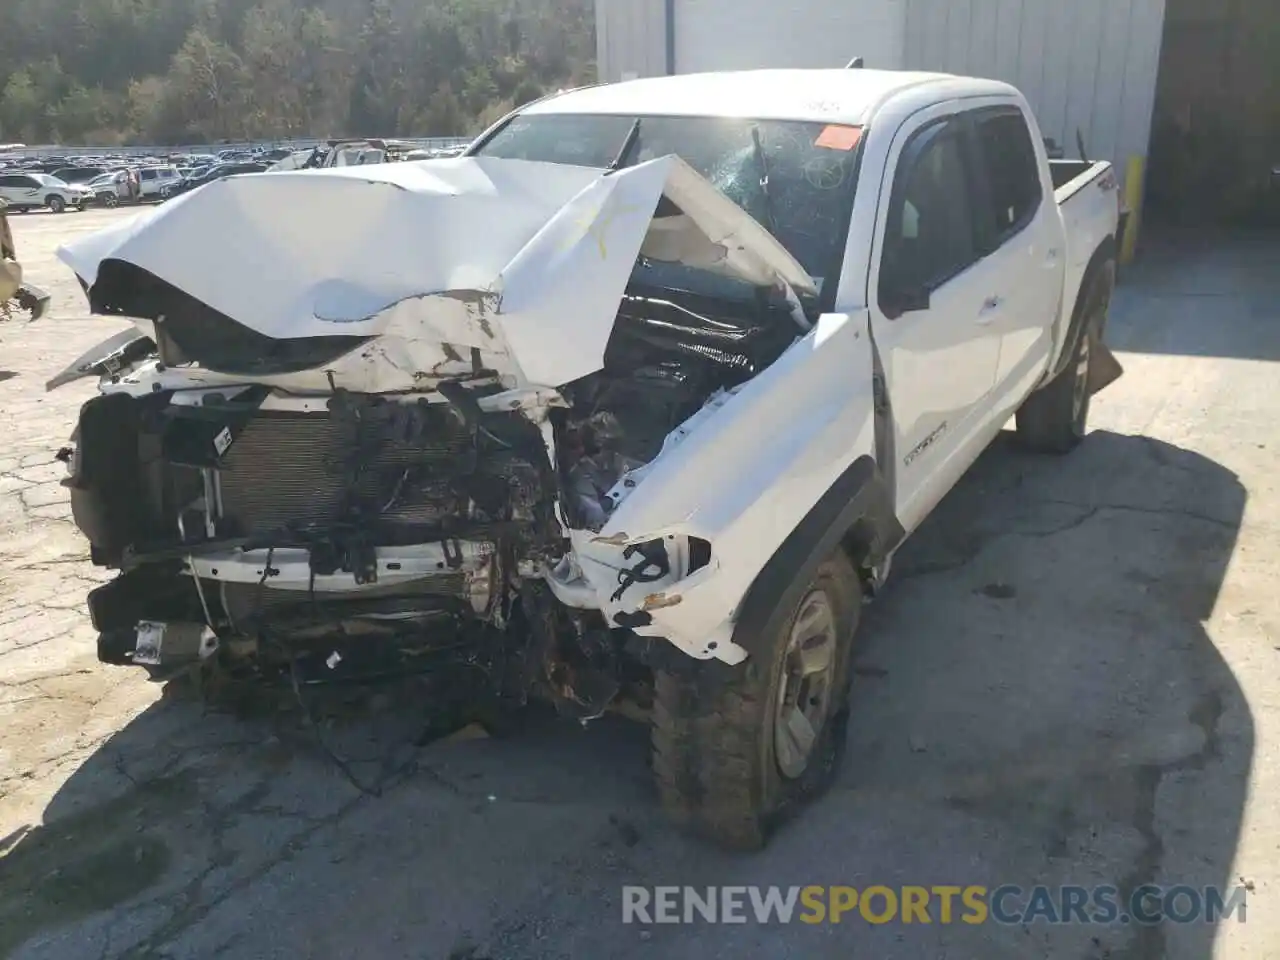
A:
(288, 469)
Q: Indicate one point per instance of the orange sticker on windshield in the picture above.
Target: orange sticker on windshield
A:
(837, 136)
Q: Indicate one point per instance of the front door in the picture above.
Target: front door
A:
(1023, 228)
(934, 300)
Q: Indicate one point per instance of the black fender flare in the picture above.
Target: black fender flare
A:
(857, 511)
(1106, 253)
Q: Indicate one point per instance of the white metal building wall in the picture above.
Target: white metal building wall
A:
(1087, 65)
(747, 34)
(631, 39)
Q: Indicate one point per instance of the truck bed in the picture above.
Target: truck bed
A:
(1086, 194)
(1071, 176)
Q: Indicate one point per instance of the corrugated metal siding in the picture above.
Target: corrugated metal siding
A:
(753, 34)
(1089, 65)
(1083, 64)
(631, 39)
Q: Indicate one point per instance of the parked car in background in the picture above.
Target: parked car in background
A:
(35, 191)
(158, 182)
(110, 189)
(78, 174)
(215, 172)
(298, 160)
(362, 152)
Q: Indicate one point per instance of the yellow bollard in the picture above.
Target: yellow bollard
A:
(1134, 182)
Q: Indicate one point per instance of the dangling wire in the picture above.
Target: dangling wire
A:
(262, 580)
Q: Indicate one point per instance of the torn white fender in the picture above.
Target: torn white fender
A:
(740, 475)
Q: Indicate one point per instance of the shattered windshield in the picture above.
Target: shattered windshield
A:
(796, 178)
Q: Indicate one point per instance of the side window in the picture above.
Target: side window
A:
(1012, 173)
(9, 181)
(148, 174)
(930, 236)
(31, 183)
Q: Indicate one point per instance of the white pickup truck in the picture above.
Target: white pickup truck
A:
(637, 398)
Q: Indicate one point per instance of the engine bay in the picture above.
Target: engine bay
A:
(663, 363)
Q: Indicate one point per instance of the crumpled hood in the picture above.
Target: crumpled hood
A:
(438, 263)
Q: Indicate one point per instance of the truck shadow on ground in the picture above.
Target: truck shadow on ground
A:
(1037, 701)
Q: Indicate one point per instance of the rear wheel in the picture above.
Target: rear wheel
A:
(738, 749)
(55, 203)
(1055, 418)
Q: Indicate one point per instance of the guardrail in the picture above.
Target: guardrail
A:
(153, 150)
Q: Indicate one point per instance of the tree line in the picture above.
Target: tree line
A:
(108, 72)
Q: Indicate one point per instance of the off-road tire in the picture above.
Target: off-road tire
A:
(1055, 418)
(713, 727)
(55, 203)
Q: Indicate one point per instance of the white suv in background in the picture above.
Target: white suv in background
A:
(157, 182)
(33, 191)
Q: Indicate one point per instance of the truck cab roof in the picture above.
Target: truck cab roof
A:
(833, 96)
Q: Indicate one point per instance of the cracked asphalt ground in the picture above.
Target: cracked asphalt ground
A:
(1071, 679)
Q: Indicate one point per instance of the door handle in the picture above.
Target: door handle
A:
(1051, 257)
(990, 307)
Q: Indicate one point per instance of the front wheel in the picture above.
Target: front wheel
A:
(55, 203)
(738, 749)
